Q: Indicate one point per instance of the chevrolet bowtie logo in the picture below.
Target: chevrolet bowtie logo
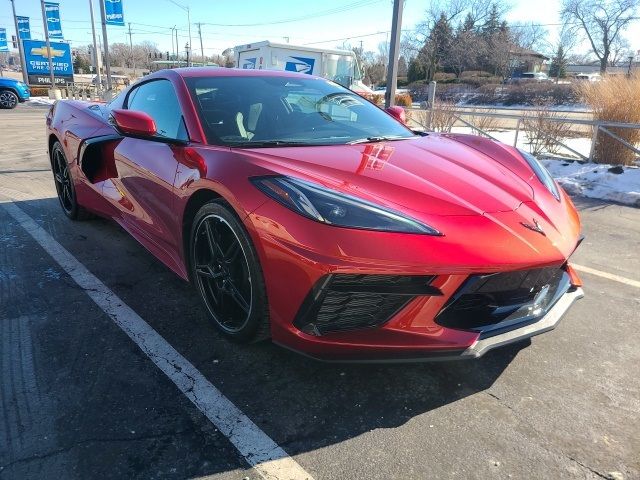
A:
(43, 52)
(536, 227)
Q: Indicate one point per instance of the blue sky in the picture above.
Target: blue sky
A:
(364, 20)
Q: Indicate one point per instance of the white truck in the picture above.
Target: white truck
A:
(341, 66)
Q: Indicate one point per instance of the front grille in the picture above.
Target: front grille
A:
(493, 303)
(342, 302)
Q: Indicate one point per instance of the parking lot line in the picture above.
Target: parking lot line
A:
(257, 448)
(609, 276)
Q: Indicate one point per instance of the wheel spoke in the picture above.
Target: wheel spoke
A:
(232, 252)
(58, 178)
(206, 271)
(214, 246)
(235, 294)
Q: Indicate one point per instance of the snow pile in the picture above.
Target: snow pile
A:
(596, 180)
(39, 101)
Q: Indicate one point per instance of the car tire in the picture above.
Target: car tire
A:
(65, 187)
(8, 99)
(225, 269)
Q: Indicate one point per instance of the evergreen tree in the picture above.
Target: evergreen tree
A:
(558, 67)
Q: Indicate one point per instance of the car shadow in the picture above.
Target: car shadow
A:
(302, 404)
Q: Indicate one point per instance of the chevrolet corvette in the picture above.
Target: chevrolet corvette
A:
(303, 213)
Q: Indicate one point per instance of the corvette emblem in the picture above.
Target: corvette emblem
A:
(536, 227)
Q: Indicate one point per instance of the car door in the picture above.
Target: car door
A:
(143, 192)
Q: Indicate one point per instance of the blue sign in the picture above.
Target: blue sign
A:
(24, 29)
(3, 40)
(300, 65)
(113, 12)
(52, 12)
(35, 55)
(249, 63)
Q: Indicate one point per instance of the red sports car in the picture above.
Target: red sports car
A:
(304, 213)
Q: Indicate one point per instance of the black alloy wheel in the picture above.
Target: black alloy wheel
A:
(227, 274)
(64, 185)
(8, 99)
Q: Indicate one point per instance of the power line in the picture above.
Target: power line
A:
(344, 8)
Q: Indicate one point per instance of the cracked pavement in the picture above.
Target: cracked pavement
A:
(80, 400)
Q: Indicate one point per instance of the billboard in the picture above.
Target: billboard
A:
(113, 12)
(3, 40)
(52, 11)
(24, 28)
(35, 54)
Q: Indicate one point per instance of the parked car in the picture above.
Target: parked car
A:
(529, 77)
(588, 77)
(13, 92)
(304, 213)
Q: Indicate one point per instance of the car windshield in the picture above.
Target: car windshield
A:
(275, 111)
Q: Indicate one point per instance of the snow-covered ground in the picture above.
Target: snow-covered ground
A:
(39, 101)
(596, 180)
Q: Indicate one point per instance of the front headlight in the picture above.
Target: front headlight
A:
(334, 208)
(542, 173)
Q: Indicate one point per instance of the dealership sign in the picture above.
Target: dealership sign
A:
(3, 40)
(24, 29)
(113, 12)
(35, 54)
(52, 12)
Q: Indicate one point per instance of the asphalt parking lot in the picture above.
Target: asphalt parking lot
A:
(80, 399)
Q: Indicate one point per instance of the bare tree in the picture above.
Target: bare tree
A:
(620, 52)
(602, 22)
(529, 35)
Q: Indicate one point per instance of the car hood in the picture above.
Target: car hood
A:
(434, 175)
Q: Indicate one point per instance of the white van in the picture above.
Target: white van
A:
(341, 66)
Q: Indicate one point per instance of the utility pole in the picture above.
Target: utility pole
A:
(46, 37)
(631, 57)
(133, 58)
(187, 49)
(107, 61)
(172, 47)
(96, 53)
(201, 48)
(189, 63)
(23, 63)
(177, 48)
(394, 53)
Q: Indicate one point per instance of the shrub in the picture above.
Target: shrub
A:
(443, 117)
(614, 99)
(542, 127)
(403, 99)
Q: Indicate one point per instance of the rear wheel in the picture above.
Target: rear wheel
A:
(8, 99)
(227, 274)
(64, 185)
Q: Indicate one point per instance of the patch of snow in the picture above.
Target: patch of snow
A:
(39, 101)
(594, 180)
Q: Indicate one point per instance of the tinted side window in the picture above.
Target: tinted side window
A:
(158, 99)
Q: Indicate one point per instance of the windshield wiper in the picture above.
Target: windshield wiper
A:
(375, 139)
(266, 143)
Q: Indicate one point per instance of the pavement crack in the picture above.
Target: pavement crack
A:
(595, 472)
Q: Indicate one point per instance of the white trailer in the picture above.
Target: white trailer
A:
(340, 66)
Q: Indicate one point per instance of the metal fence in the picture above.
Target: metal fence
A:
(593, 128)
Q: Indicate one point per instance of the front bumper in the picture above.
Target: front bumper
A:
(297, 258)
(481, 346)
(546, 323)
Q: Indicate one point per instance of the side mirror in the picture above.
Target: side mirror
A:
(132, 122)
(397, 113)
